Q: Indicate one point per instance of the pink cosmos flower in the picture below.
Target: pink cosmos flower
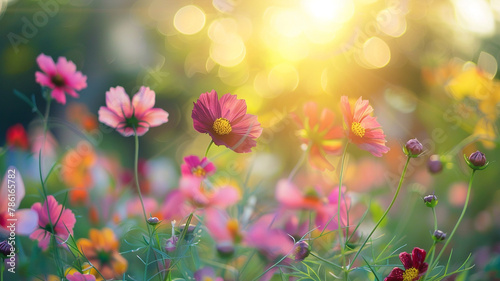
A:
(126, 117)
(311, 198)
(362, 128)
(318, 131)
(226, 121)
(61, 77)
(272, 242)
(13, 188)
(196, 167)
(77, 276)
(194, 193)
(223, 229)
(62, 220)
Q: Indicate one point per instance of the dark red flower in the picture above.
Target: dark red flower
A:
(414, 265)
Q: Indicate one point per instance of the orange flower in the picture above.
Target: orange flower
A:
(76, 170)
(101, 249)
(323, 137)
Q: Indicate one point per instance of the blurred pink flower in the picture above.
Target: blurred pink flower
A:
(318, 131)
(124, 116)
(311, 198)
(226, 121)
(223, 229)
(134, 206)
(361, 128)
(77, 276)
(62, 219)
(194, 193)
(61, 77)
(271, 242)
(206, 274)
(194, 166)
(26, 219)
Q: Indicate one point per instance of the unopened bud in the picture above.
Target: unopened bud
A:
(434, 164)
(439, 236)
(431, 200)
(301, 251)
(477, 161)
(413, 148)
(153, 221)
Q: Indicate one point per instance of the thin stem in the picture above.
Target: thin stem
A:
(299, 163)
(136, 174)
(208, 147)
(435, 219)
(385, 213)
(339, 203)
(459, 220)
(2, 268)
(432, 253)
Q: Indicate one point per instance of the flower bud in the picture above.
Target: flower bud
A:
(413, 148)
(4, 249)
(439, 236)
(225, 250)
(171, 244)
(434, 164)
(476, 161)
(153, 221)
(301, 251)
(431, 200)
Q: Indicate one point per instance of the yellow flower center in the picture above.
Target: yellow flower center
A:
(207, 278)
(222, 126)
(410, 274)
(199, 171)
(357, 129)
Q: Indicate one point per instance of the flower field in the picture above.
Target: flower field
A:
(249, 140)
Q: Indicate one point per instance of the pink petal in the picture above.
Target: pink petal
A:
(216, 223)
(374, 148)
(155, 117)
(418, 256)
(127, 132)
(288, 194)
(118, 101)
(65, 67)
(205, 111)
(231, 107)
(71, 92)
(46, 64)
(310, 112)
(326, 119)
(27, 221)
(143, 101)
(225, 197)
(362, 108)
(140, 131)
(345, 107)
(109, 117)
(43, 238)
(43, 80)
(58, 95)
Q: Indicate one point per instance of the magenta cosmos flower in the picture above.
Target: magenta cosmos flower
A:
(226, 121)
(196, 167)
(126, 117)
(414, 265)
(362, 128)
(61, 77)
(63, 221)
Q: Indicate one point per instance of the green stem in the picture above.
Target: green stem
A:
(435, 219)
(2, 268)
(432, 253)
(208, 147)
(339, 203)
(136, 174)
(385, 213)
(299, 163)
(458, 222)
